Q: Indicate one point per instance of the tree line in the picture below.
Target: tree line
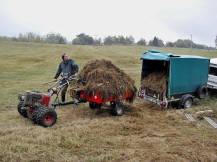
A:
(49, 38)
(84, 39)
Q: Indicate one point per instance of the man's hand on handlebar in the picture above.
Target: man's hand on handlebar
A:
(72, 77)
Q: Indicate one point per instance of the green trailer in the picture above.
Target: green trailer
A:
(186, 77)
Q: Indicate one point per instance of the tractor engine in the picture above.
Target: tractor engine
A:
(35, 98)
(37, 107)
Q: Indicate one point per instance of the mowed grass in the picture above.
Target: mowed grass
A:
(144, 133)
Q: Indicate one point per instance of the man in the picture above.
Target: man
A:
(66, 68)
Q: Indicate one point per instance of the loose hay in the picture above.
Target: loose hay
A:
(107, 80)
(155, 81)
(205, 113)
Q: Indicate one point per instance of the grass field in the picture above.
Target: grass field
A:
(144, 133)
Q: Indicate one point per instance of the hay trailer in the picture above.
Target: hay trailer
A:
(41, 108)
(186, 78)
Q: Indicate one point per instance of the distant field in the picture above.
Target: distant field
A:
(144, 133)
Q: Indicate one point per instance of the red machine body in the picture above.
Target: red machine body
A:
(96, 98)
(46, 98)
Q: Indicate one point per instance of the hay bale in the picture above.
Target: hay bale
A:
(155, 81)
(104, 78)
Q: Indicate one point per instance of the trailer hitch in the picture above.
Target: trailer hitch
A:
(67, 103)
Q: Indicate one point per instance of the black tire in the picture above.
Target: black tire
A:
(44, 116)
(202, 92)
(21, 109)
(186, 101)
(117, 109)
(94, 105)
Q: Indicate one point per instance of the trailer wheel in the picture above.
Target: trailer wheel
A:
(202, 92)
(21, 109)
(186, 101)
(112, 104)
(94, 105)
(117, 109)
(44, 116)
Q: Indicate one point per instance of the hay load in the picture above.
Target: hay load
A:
(155, 81)
(104, 78)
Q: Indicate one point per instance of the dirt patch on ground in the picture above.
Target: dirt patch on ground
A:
(155, 81)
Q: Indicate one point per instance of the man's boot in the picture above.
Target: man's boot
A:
(63, 98)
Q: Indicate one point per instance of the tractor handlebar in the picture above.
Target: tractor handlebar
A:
(54, 89)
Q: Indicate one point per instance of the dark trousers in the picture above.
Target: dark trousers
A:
(63, 93)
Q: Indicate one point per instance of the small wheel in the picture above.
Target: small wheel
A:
(22, 111)
(44, 116)
(94, 105)
(202, 92)
(117, 109)
(186, 101)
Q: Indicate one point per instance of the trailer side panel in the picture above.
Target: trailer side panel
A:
(187, 75)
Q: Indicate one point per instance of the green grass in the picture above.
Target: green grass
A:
(31, 64)
(143, 134)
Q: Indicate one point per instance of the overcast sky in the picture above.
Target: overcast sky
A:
(167, 19)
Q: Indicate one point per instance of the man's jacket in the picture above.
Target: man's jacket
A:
(67, 68)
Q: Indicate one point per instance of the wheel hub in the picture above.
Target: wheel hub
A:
(188, 104)
(48, 119)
